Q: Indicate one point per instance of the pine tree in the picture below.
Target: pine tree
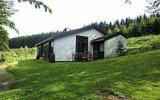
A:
(120, 48)
(109, 31)
(116, 29)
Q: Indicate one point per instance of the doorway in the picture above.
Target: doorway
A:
(81, 48)
(98, 50)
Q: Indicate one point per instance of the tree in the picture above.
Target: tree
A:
(109, 31)
(38, 4)
(5, 12)
(116, 29)
(128, 1)
(121, 50)
(123, 29)
(3, 39)
(154, 6)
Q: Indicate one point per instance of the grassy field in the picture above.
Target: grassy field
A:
(134, 76)
(143, 44)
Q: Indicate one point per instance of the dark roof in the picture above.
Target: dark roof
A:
(63, 34)
(106, 37)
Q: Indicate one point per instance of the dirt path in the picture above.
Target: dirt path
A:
(5, 78)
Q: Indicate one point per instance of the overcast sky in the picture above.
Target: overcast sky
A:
(72, 14)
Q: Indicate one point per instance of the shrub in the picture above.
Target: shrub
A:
(121, 50)
(17, 54)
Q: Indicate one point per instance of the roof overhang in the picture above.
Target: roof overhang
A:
(45, 41)
(107, 37)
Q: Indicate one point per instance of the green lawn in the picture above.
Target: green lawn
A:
(135, 76)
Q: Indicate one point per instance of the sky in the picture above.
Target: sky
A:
(72, 14)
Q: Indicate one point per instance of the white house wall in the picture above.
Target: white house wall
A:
(64, 47)
(111, 45)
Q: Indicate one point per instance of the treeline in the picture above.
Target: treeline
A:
(28, 41)
(140, 26)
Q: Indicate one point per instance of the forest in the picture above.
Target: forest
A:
(140, 26)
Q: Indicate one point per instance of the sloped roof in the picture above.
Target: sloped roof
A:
(63, 34)
(106, 37)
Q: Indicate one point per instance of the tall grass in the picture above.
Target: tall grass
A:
(14, 55)
(142, 44)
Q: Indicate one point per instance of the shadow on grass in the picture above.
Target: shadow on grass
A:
(136, 76)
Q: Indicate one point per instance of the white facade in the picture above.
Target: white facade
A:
(111, 45)
(64, 47)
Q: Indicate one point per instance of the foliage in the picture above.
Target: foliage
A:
(5, 12)
(154, 6)
(140, 26)
(18, 54)
(3, 40)
(121, 50)
(38, 4)
(30, 41)
(116, 29)
(142, 44)
(109, 31)
(135, 76)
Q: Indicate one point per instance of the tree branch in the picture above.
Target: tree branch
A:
(38, 4)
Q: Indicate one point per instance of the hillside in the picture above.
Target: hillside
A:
(143, 44)
(133, 76)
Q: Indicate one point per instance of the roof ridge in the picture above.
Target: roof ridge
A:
(67, 33)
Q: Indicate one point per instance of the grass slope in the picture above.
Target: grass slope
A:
(142, 44)
(136, 76)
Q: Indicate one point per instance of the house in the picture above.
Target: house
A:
(88, 43)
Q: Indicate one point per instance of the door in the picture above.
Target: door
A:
(98, 50)
(81, 44)
(81, 48)
(48, 52)
(51, 53)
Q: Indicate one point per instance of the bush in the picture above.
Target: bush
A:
(17, 54)
(1, 59)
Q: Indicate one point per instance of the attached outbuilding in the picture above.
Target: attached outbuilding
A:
(88, 43)
(110, 45)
